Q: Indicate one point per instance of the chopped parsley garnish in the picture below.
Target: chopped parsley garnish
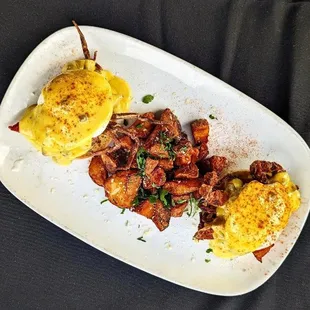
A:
(167, 143)
(212, 116)
(180, 201)
(142, 154)
(125, 122)
(141, 239)
(160, 194)
(123, 211)
(147, 99)
(183, 149)
(207, 260)
(153, 198)
(193, 206)
(139, 125)
(209, 250)
(104, 200)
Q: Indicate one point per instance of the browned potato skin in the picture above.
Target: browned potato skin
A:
(142, 129)
(150, 165)
(195, 155)
(203, 151)
(145, 208)
(205, 190)
(166, 164)
(204, 233)
(97, 171)
(175, 126)
(109, 163)
(187, 172)
(158, 151)
(178, 210)
(211, 178)
(122, 188)
(156, 179)
(182, 187)
(217, 198)
(214, 163)
(200, 130)
(183, 152)
(126, 142)
(161, 217)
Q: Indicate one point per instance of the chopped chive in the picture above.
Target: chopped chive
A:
(141, 239)
(209, 250)
(139, 125)
(147, 99)
(104, 200)
(123, 211)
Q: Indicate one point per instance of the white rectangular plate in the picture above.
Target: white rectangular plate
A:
(66, 196)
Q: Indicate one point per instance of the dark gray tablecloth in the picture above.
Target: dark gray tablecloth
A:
(259, 47)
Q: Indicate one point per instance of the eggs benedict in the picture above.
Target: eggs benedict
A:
(258, 209)
(74, 107)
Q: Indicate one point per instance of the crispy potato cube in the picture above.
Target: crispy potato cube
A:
(200, 130)
(166, 164)
(183, 152)
(205, 190)
(158, 151)
(195, 155)
(142, 129)
(156, 179)
(122, 188)
(97, 171)
(211, 178)
(150, 165)
(187, 172)
(175, 126)
(217, 198)
(214, 163)
(178, 210)
(161, 217)
(204, 233)
(125, 142)
(145, 208)
(182, 187)
(109, 163)
(203, 151)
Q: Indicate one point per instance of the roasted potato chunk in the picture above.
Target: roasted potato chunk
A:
(259, 254)
(97, 171)
(142, 129)
(109, 163)
(156, 179)
(175, 126)
(150, 165)
(145, 208)
(214, 163)
(158, 151)
(200, 130)
(161, 217)
(217, 198)
(183, 152)
(263, 170)
(203, 151)
(182, 187)
(211, 178)
(122, 188)
(187, 172)
(204, 233)
(205, 190)
(178, 210)
(166, 164)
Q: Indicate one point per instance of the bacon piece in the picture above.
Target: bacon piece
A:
(259, 254)
(145, 208)
(210, 178)
(14, 127)
(204, 233)
(187, 172)
(166, 164)
(182, 187)
(161, 217)
(122, 188)
(97, 171)
(200, 130)
(178, 210)
(217, 198)
(263, 170)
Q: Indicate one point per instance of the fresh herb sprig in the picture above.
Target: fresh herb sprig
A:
(193, 206)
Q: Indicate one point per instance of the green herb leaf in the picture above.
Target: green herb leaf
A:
(104, 200)
(139, 125)
(147, 99)
(142, 154)
(141, 239)
(183, 149)
(207, 260)
(135, 201)
(181, 201)
(209, 250)
(167, 144)
(212, 116)
(125, 122)
(153, 198)
(123, 211)
(193, 206)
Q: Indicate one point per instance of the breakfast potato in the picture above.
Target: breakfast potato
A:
(142, 129)
(183, 153)
(156, 179)
(187, 172)
(204, 233)
(259, 254)
(214, 163)
(217, 198)
(211, 178)
(161, 217)
(195, 155)
(122, 188)
(158, 151)
(109, 163)
(178, 210)
(125, 142)
(200, 130)
(205, 190)
(145, 208)
(150, 165)
(263, 170)
(203, 151)
(166, 164)
(175, 127)
(182, 187)
(97, 171)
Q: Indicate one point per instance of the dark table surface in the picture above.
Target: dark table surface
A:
(259, 47)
